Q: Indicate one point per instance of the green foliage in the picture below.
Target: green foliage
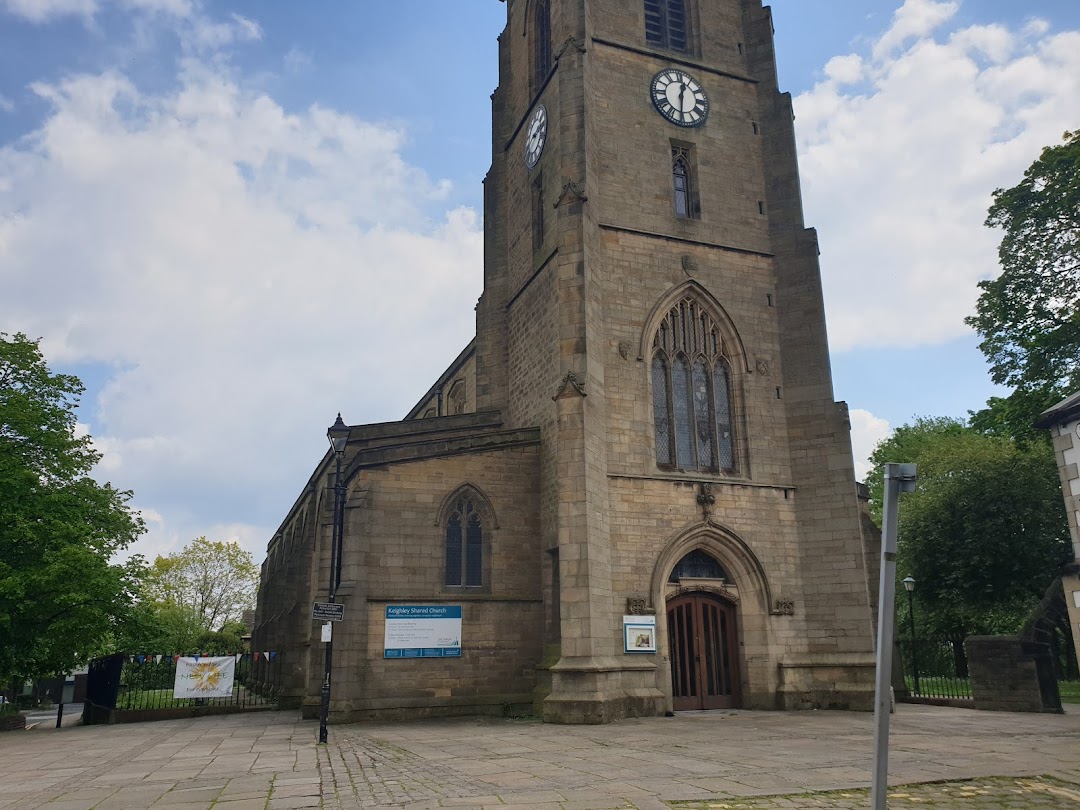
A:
(60, 596)
(159, 629)
(984, 534)
(1029, 316)
(215, 581)
(904, 446)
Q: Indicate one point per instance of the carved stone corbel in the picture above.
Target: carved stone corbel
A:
(569, 195)
(569, 387)
(571, 42)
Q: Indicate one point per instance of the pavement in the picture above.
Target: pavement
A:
(940, 757)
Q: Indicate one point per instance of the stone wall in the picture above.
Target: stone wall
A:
(1011, 674)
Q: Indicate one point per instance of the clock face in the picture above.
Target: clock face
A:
(679, 98)
(536, 136)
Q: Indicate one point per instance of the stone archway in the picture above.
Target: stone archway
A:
(746, 597)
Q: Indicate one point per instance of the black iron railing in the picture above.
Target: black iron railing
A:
(935, 668)
(147, 682)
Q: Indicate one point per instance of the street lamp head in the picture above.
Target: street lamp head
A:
(909, 584)
(338, 434)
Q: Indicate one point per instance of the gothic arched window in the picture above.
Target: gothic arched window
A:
(464, 543)
(457, 398)
(691, 379)
(541, 43)
(682, 175)
(667, 24)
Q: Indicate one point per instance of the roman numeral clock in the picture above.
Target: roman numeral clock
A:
(679, 98)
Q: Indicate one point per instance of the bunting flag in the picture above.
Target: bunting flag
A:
(237, 657)
(175, 658)
(271, 655)
(266, 655)
(254, 656)
(141, 658)
(157, 659)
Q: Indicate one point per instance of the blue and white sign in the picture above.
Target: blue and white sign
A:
(422, 631)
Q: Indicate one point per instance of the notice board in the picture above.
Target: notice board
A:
(422, 631)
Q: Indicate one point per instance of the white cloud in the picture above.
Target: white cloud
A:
(6, 104)
(296, 60)
(247, 270)
(898, 170)
(867, 431)
(43, 11)
(915, 19)
(40, 11)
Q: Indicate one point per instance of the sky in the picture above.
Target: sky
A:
(234, 219)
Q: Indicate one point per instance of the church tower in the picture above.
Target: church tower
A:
(653, 304)
(633, 492)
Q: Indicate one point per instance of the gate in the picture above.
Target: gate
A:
(704, 667)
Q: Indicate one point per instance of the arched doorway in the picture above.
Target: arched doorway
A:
(703, 645)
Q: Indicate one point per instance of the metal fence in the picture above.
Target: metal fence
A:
(146, 682)
(935, 668)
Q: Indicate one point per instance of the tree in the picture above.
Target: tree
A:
(1029, 316)
(60, 594)
(215, 581)
(984, 534)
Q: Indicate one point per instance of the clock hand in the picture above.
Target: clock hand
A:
(682, 96)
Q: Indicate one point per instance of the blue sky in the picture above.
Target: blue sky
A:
(221, 215)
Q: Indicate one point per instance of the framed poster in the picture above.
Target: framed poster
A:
(422, 631)
(639, 634)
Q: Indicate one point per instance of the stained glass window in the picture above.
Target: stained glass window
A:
(692, 393)
(661, 413)
(453, 549)
(464, 546)
(684, 436)
(697, 565)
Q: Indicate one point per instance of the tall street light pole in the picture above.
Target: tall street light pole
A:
(909, 586)
(338, 434)
(898, 478)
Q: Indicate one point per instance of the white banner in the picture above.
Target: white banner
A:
(204, 677)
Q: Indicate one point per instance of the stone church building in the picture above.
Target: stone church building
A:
(633, 491)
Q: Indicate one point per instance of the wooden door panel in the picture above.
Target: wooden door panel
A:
(702, 646)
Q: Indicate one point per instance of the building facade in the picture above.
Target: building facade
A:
(643, 429)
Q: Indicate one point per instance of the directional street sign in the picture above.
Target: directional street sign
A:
(327, 612)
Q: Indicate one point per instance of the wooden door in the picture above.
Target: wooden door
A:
(704, 667)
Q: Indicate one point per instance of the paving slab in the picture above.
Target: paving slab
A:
(707, 761)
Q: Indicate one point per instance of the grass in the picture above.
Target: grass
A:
(137, 700)
(1070, 691)
(931, 686)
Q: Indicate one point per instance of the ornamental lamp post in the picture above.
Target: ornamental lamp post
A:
(338, 434)
(909, 586)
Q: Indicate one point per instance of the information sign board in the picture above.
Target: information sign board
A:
(327, 612)
(422, 631)
(639, 634)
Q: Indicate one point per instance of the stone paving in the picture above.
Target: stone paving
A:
(941, 758)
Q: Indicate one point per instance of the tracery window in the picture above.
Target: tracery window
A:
(464, 544)
(691, 380)
(667, 25)
(698, 564)
(541, 43)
